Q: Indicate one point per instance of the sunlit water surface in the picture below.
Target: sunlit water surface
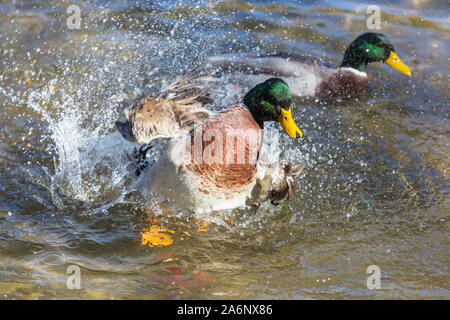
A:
(375, 190)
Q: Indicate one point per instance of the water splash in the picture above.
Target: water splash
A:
(89, 164)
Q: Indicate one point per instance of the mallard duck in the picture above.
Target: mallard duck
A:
(214, 161)
(308, 76)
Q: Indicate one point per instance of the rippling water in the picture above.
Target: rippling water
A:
(375, 190)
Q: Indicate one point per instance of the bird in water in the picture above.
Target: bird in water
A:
(309, 76)
(213, 161)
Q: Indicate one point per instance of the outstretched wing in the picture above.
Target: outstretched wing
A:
(278, 183)
(176, 109)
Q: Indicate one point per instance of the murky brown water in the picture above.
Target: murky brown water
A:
(375, 190)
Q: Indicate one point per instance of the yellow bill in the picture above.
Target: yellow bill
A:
(395, 62)
(288, 123)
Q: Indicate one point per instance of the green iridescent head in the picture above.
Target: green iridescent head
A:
(372, 47)
(271, 101)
